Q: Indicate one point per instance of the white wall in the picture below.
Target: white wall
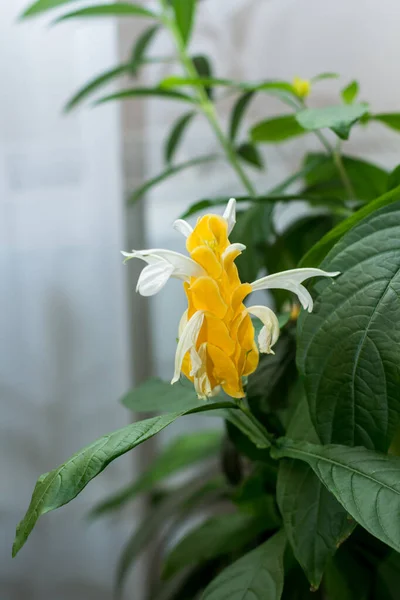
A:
(64, 358)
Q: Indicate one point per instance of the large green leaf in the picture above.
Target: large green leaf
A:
(258, 575)
(180, 501)
(173, 170)
(115, 9)
(338, 118)
(238, 113)
(160, 396)
(347, 350)
(64, 483)
(366, 483)
(42, 6)
(277, 129)
(315, 523)
(140, 47)
(157, 92)
(216, 536)
(318, 252)
(181, 453)
(184, 11)
(176, 134)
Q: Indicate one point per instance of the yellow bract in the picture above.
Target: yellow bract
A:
(226, 339)
(302, 87)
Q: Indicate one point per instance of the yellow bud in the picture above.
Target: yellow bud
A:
(302, 87)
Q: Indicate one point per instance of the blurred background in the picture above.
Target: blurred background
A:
(74, 336)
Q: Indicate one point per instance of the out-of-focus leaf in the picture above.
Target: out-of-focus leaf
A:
(203, 67)
(350, 92)
(184, 16)
(115, 9)
(324, 76)
(139, 92)
(42, 6)
(216, 536)
(176, 134)
(160, 396)
(338, 118)
(277, 129)
(318, 252)
(394, 179)
(258, 575)
(181, 453)
(251, 155)
(391, 120)
(246, 426)
(238, 113)
(182, 500)
(389, 576)
(95, 84)
(347, 577)
(173, 170)
(140, 47)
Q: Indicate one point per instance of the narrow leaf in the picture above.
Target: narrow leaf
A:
(391, 120)
(238, 113)
(139, 92)
(350, 92)
(277, 129)
(42, 6)
(320, 250)
(168, 172)
(256, 576)
(95, 84)
(338, 118)
(184, 16)
(117, 9)
(364, 482)
(349, 342)
(216, 536)
(176, 134)
(250, 154)
(140, 47)
(182, 452)
(323, 76)
(64, 483)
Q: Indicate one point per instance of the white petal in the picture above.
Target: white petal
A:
(269, 334)
(153, 278)
(187, 340)
(182, 323)
(196, 361)
(291, 280)
(230, 214)
(182, 227)
(184, 267)
(233, 248)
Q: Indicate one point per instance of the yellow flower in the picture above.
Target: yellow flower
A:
(216, 345)
(302, 87)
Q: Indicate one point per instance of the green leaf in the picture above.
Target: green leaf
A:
(140, 47)
(64, 483)
(203, 67)
(315, 523)
(393, 180)
(365, 483)
(216, 536)
(180, 501)
(258, 575)
(324, 76)
(318, 252)
(347, 577)
(250, 154)
(42, 6)
(140, 92)
(277, 129)
(349, 342)
(338, 118)
(160, 396)
(238, 113)
(176, 134)
(350, 92)
(95, 84)
(245, 425)
(389, 575)
(173, 170)
(116, 9)
(184, 16)
(391, 120)
(181, 453)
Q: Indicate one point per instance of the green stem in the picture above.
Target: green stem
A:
(337, 158)
(269, 438)
(206, 106)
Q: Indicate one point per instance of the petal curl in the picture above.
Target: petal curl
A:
(153, 278)
(187, 341)
(230, 214)
(182, 227)
(269, 334)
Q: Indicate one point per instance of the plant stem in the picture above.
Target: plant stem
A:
(246, 411)
(205, 104)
